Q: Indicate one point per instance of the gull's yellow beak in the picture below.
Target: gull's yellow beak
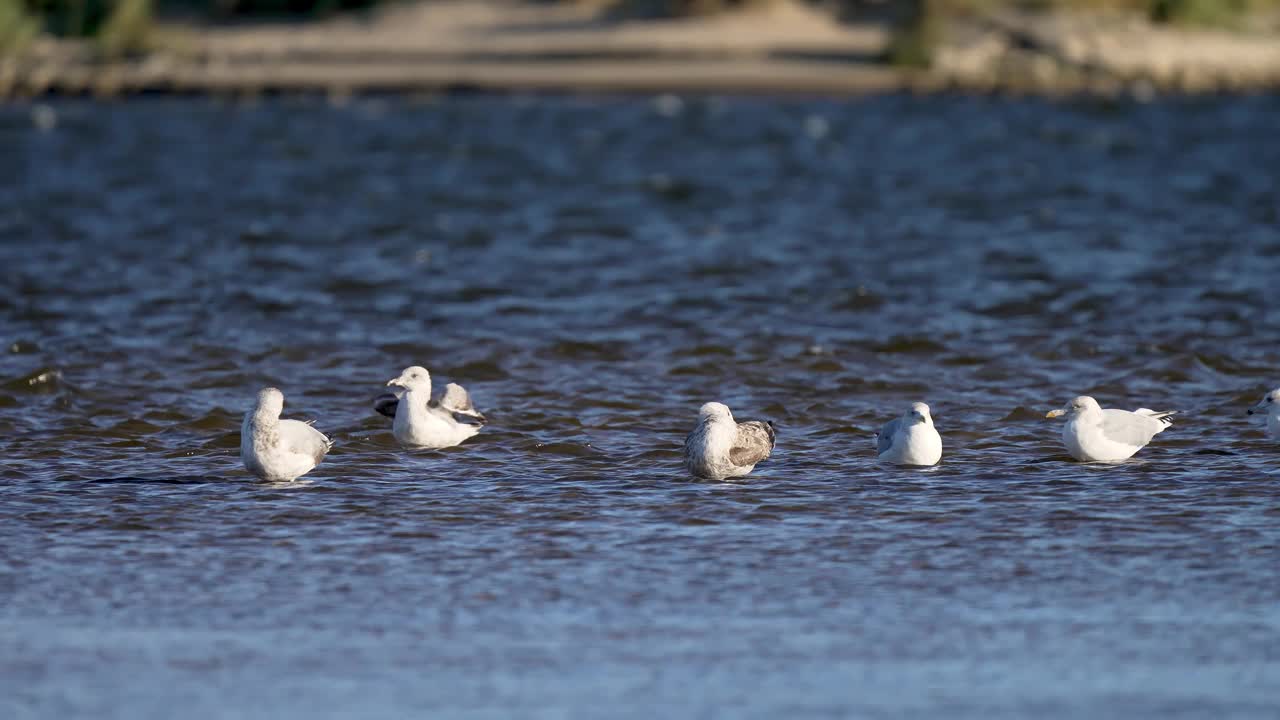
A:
(1055, 413)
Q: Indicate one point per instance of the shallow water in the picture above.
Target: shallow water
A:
(593, 270)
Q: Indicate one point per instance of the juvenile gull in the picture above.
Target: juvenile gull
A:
(911, 439)
(1096, 435)
(421, 422)
(1269, 405)
(720, 447)
(278, 450)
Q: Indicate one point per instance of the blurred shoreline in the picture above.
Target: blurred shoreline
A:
(781, 48)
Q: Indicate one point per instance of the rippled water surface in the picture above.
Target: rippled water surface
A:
(593, 270)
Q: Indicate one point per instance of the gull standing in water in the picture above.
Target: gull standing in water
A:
(421, 422)
(1096, 435)
(911, 439)
(1269, 405)
(279, 450)
(720, 447)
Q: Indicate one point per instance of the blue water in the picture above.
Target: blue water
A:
(593, 269)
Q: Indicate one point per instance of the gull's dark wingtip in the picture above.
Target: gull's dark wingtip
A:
(386, 404)
(468, 418)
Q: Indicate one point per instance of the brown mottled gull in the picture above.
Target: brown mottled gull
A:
(720, 447)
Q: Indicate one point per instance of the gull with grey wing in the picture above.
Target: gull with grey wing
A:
(420, 421)
(1269, 406)
(1096, 435)
(911, 439)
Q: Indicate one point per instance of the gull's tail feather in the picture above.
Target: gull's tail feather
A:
(328, 441)
(1162, 415)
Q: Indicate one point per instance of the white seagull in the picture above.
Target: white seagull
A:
(278, 450)
(421, 422)
(911, 439)
(720, 447)
(1096, 435)
(1269, 405)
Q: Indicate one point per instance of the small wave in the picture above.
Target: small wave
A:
(46, 379)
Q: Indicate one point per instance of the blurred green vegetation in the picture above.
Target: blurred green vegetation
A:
(72, 18)
(679, 8)
(920, 24)
(17, 26)
(126, 26)
(1202, 12)
(919, 31)
(1222, 13)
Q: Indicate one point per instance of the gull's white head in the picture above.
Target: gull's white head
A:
(1268, 405)
(413, 378)
(270, 402)
(715, 411)
(919, 413)
(1079, 405)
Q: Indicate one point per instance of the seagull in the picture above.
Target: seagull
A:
(719, 447)
(1270, 406)
(278, 450)
(911, 439)
(1096, 435)
(421, 422)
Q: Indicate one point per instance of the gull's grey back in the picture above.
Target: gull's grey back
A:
(1131, 428)
(884, 440)
(456, 398)
(455, 405)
